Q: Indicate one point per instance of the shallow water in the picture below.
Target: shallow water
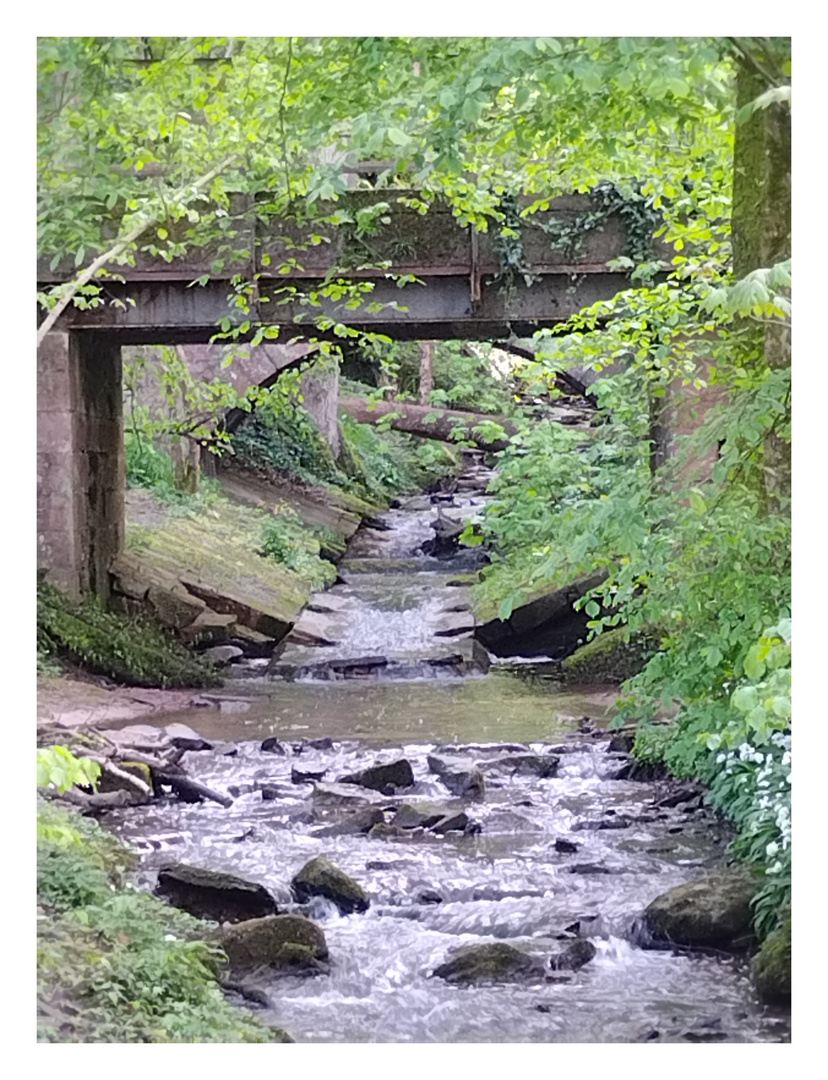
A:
(489, 708)
(506, 882)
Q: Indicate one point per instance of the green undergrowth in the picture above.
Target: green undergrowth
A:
(148, 466)
(375, 462)
(740, 746)
(128, 649)
(118, 965)
(700, 548)
(285, 538)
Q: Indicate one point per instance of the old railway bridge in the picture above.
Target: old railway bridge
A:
(81, 471)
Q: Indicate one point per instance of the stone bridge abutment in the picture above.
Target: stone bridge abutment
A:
(80, 459)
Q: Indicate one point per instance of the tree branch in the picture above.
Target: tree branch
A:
(744, 51)
(145, 223)
(285, 159)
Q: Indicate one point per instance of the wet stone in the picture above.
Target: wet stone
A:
(429, 896)
(321, 877)
(604, 823)
(713, 910)
(479, 964)
(395, 774)
(451, 823)
(688, 793)
(541, 765)
(342, 795)
(278, 941)
(362, 821)
(461, 780)
(325, 743)
(573, 956)
(272, 746)
(299, 776)
(184, 738)
(565, 847)
(423, 814)
(209, 894)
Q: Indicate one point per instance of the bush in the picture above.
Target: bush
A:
(285, 538)
(149, 467)
(741, 748)
(282, 436)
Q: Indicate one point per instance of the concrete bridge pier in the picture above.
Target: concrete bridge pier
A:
(81, 474)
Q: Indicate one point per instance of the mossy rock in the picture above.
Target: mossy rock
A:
(609, 658)
(771, 967)
(712, 911)
(278, 941)
(216, 554)
(497, 962)
(320, 877)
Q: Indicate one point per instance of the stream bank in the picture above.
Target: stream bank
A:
(515, 822)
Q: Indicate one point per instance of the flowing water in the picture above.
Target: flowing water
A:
(505, 881)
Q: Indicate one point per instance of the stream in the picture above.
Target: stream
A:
(401, 676)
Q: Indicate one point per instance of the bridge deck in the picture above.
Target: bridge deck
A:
(460, 293)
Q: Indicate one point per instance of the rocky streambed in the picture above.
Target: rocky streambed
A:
(501, 888)
(406, 843)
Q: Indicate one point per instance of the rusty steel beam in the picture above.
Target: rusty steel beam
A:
(460, 291)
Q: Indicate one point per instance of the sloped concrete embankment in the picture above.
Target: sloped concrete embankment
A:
(202, 575)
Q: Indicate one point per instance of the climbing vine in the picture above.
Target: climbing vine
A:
(607, 200)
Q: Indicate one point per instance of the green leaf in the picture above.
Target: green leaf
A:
(397, 136)
(522, 96)
(472, 110)
(754, 666)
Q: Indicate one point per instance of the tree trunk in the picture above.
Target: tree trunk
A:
(429, 423)
(762, 216)
(426, 370)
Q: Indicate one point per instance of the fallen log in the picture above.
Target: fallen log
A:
(566, 380)
(190, 790)
(89, 804)
(429, 423)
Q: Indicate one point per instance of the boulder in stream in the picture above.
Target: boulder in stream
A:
(712, 911)
(397, 774)
(277, 941)
(272, 746)
(425, 815)
(183, 737)
(541, 765)
(461, 778)
(496, 962)
(573, 956)
(352, 824)
(565, 847)
(305, 776)
(341, 796)
(209, 894)
(320, 877)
